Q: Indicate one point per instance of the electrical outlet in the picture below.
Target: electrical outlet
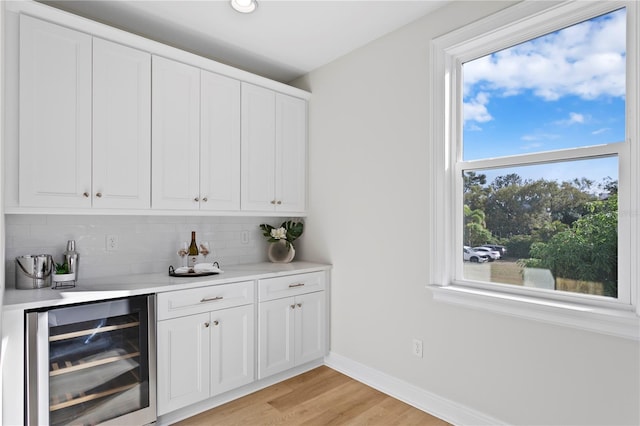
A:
(111, 242)
(417, 348)
(244, 237)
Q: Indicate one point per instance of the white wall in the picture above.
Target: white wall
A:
(368, 203)
(147, 244)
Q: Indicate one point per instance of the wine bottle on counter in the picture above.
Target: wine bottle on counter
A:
(193, 251)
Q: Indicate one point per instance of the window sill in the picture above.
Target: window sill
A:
(613, 322)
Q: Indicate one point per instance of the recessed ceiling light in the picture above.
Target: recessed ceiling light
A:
(244, 6)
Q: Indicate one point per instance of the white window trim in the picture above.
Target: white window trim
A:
(516, 24)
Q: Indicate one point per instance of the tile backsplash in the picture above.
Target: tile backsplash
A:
(146, 244)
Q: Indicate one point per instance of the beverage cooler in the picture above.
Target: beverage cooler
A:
(92, 363)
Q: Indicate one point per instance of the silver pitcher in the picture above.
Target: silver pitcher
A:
(33, 271)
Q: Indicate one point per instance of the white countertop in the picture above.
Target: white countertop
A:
(91, 290)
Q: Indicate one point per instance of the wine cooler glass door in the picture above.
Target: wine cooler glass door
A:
(98, 364)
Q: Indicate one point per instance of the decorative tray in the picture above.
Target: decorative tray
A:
(192, 273)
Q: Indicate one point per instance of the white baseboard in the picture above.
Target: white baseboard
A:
(435, 405)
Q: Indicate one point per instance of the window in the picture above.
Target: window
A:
(535, 149)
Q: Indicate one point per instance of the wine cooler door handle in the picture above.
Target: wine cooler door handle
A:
(37, 328)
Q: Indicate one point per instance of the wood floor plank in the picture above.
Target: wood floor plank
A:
(309, 389)
(320, 397)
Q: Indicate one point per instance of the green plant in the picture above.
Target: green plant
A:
(62, 268)
(288, 232)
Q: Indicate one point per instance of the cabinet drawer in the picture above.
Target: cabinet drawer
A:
(276, 288)
(187, 302)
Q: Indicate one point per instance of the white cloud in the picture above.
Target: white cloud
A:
(574, 118)
(585, 60)
(476, 109)
(599, 131)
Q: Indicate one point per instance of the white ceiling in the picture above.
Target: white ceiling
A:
(282, 40)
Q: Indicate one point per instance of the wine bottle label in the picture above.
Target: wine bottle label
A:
(191, 261)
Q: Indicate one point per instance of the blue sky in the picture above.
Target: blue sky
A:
(562, 90)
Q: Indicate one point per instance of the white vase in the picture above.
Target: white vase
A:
(280, 253)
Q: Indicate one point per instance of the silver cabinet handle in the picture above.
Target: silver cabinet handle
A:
(273, 201)
(279, 202)
(206, 324)
(85, 195)
(216, 322)
(296, 285)
(205, 199)
(196, 199)
(99, 194)
(299, 305)
(211, 299)
(292, 306)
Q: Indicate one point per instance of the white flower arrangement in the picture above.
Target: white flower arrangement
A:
(288, 232)
(279, 233)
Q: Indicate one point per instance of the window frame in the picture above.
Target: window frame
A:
(511, 26)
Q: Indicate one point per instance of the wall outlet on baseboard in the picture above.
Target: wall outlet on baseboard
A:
(417, 348)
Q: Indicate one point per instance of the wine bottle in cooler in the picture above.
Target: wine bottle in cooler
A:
(193, 251)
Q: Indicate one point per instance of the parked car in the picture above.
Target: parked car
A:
(498, 248)
(493, 254)
(474, 256)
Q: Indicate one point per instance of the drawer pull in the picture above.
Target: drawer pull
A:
(296, 285)
(211, 299)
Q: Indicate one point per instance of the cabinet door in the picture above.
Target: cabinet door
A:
(258, 148)
(121, 126)
(232, 348)
(291, 154)
(175, 135)
(55, 115)
(310, 327)
(219, 142)
(276, 327)
(183, 361)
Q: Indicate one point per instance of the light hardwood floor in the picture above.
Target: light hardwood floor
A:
(319, 397)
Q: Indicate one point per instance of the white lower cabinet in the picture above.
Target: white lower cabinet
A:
(201, 355)
(183, 361)
(291, 322)
(206, 337)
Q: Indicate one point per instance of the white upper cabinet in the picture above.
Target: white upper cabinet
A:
(176, 135)
(100, 119)
(121, 126)
(196, 138)
(273, 151)
(219, 142)
(258, 148)
(85, 130)
(291, 153)
(55, 116)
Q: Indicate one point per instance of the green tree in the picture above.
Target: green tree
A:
(587, 251)
(475, 190)
(475, 229)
